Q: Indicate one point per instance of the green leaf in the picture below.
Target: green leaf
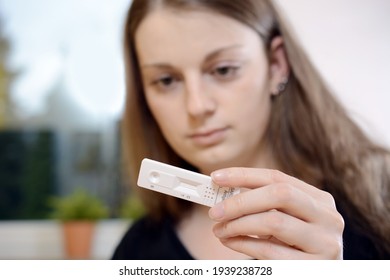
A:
(80, 205)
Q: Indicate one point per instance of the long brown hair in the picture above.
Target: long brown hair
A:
(311, 134)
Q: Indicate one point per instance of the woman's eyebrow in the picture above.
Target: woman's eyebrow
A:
(156, 65)
(217, 52)
(210, 56)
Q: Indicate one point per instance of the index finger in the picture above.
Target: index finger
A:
(258, 177)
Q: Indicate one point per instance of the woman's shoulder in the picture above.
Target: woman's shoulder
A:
(360, 242)
(148, 239)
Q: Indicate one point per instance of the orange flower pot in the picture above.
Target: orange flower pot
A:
(78, 237)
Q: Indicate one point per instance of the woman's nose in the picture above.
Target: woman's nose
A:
(199, 101)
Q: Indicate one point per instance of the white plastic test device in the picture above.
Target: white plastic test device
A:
(182, 183)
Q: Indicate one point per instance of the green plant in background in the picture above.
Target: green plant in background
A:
(132, 208)
(79, 205)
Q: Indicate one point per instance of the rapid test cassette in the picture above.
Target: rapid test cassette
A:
(182, 183)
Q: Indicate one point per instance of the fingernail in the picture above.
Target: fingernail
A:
(219, 176)
(217, 212)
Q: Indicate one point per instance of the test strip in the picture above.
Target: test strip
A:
(182, 183)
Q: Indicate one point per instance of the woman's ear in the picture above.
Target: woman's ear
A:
(279, 66)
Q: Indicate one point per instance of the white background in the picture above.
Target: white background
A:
(349, 41)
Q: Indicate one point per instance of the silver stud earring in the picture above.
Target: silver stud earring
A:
(280, 87)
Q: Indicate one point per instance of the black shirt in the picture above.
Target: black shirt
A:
(146, 240)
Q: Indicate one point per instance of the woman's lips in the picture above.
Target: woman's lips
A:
(209, 137)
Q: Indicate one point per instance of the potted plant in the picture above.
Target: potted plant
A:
(132, 208)
(78, 213)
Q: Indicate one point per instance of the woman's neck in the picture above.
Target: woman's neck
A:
(263, 159)
(195, 232)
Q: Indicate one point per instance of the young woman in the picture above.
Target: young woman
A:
(222, 88)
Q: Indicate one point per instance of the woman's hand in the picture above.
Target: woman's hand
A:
(277, 217)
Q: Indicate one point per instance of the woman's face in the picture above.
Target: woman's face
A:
(206, 81)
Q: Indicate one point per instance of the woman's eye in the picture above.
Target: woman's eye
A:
(225, 72)
(165, 82)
